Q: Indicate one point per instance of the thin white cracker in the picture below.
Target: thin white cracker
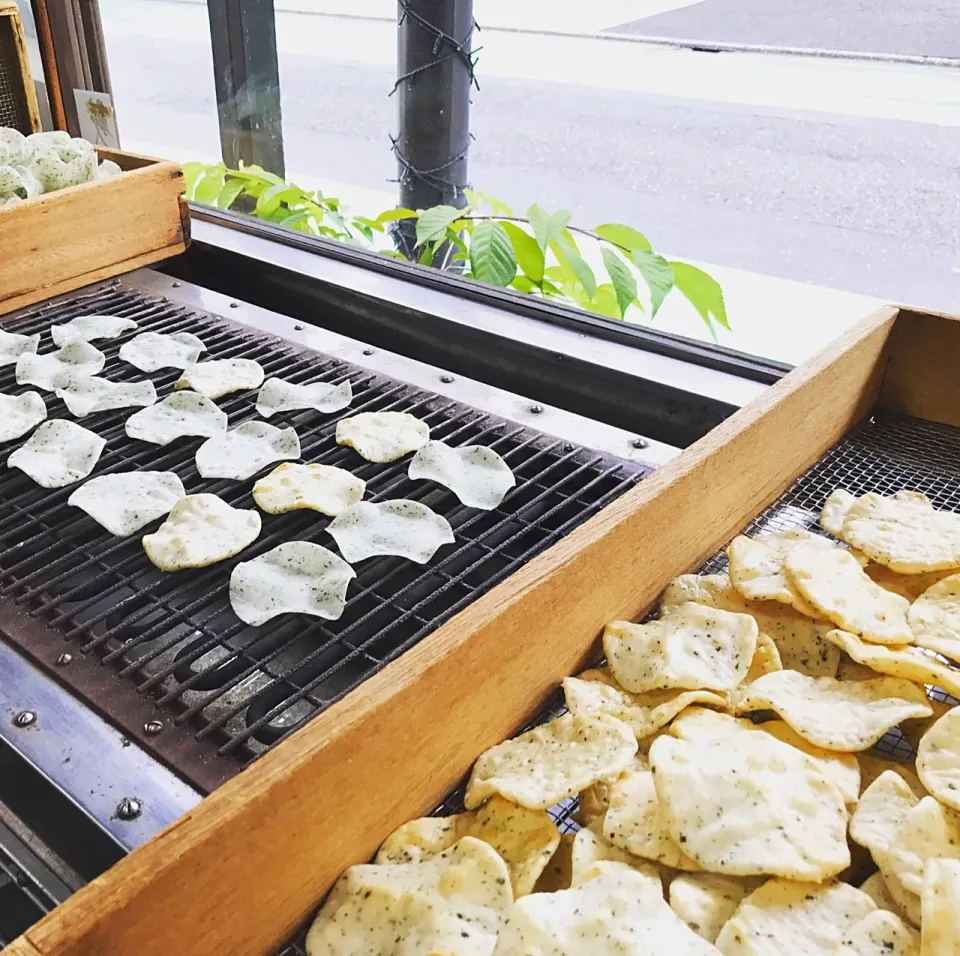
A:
(180, 415)
(201, 530)
(218, 377)
(296, 577)
(324, 488)
(835, 509)
(152, 351)
(880, 933)
(845, 716)
(87, 394)
(801, 641)
(835, 584)
(20, 414)
(788, 918)
(406, 529)
(53, 370)
(89, 328)
(382, 436)
(705, 901)
(938, 759)
(757, 571)
(904, 532)
(883, 809)
(13, 345)
(930, 831)
(58, 453)
(940, 907)
(695, 647)
(478, 476)
(552, 762)
(934, 618)
(243, 451)
(125, 502)
(278, 395)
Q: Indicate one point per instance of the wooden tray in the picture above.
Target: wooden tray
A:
(237, 874)
(70, 238)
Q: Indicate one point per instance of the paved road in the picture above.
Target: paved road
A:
(918, 27)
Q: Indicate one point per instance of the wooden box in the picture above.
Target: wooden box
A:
(236, 875)
(70, 238)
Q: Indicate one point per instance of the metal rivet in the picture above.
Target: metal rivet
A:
(234, 305)
(24, 719)
(568, 447)
(536, 409)
(298, 328)
(368, 351)
(153, 727)
(640, 443)
(446, 379)
(64, 659)
(129, 808)
(177, 285)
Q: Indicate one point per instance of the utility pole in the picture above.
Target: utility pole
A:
(434, 77)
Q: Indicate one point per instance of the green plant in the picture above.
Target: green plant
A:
(540, 254)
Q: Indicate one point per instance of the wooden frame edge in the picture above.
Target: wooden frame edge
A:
(319, 780)
(20, 41)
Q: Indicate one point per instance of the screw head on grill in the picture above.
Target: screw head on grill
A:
(368, 351)
(640, 443)
(298, 328)
(446, 379)
(536, 409)
(24, 719)
(234, 305)
(129, 808)
(153, 727)
(177, 285)
(64, 659)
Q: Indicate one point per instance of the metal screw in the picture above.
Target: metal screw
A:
(640, 443)
(368, 351)
(177, 285)
(446, 379)
(24, 719)
(64, 659)
(568, 447)
(153, 727)
(536, 409)
(129, 808)
(298, 328)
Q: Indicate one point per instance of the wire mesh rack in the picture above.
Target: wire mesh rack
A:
(885, 454)
(13, 104)
(174, 637)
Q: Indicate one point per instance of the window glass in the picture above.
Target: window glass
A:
(732, 160)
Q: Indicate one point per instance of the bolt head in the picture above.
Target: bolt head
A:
(536, 409)
(640, 443)
(368, 351)
(24, 719)
(298, 328)
(64, 659)
(234, 305)
(129, 808)
(153, 727)
(177, 285)
(446, 379)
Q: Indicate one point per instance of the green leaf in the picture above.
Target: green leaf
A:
(605, 302)
(209, 186)
(228, 194)
(703, 292)
(572, 261)
(371, 225)
(523, 284)
(551, 290)
(529, 255)
(623, 279)
(547, 228)
(191, 176)
(492, 258)
(621, 235)
(432, 223)
(394, 215)
(295, 219)
(478, 197)
(658, 275)
(426, 256)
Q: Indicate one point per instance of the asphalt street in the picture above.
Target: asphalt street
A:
(916, 27)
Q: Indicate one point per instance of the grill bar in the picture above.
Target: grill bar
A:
(152, 642)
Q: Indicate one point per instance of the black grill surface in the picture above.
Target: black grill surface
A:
(886, 453)
(173, 639)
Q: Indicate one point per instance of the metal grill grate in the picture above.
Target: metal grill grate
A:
(241, 689)
(13, 104)
(885, 454)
